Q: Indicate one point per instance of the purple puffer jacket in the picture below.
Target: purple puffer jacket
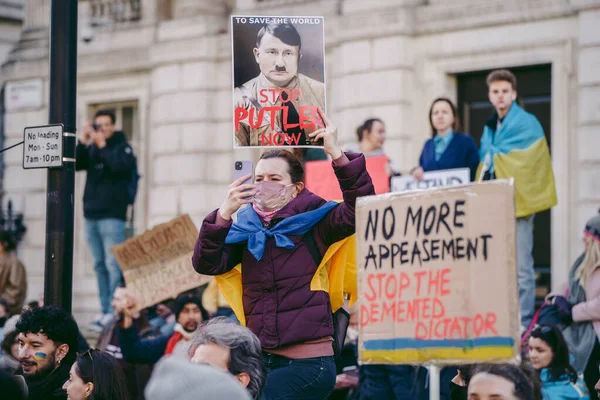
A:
(279, 306)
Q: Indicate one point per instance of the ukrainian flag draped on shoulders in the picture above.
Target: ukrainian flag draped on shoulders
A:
(336, 274)
(518, 149)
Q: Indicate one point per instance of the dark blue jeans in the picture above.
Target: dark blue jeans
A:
(397, 382)
(400, 382)
(307, 378)
(102, 235)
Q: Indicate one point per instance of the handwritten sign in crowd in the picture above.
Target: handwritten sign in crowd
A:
(450, 177)
(157, 265)
(437, 276)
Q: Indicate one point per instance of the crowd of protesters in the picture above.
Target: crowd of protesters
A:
(224, 359)
(280, 338)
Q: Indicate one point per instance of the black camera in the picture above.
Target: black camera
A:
(238, 165)
(96, 127)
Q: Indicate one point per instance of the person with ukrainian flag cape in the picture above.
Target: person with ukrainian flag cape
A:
(288, 262)
(513, 145)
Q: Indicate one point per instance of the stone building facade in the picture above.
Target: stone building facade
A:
(11, 20)
(165, 65)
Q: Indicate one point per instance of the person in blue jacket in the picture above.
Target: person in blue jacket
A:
(549, 355)
(447, 148)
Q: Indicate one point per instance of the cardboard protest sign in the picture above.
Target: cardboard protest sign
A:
(157, 265)
(449, 177)
(437, 276)
(278, 80)
(321, 180)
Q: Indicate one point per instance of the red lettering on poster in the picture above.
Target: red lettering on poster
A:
(308, 116)
(418, 298)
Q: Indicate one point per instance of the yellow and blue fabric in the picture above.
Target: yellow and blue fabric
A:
(403, 350)
(250, 228)
(441, 143)
(519, 150)
(336, 274)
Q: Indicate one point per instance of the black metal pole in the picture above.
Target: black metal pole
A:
(58, 282)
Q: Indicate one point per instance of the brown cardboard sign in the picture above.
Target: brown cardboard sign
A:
(437, 276)
(157, 265)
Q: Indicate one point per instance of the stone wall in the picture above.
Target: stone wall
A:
(27, 60)
(586, 170)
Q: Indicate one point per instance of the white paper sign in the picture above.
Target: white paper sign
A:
(42, 146)
(23, 94)
(449, 177)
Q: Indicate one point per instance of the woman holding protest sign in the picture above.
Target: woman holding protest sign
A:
(280, 241)
(447, 148)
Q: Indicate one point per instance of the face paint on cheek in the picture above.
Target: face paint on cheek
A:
(39, 356)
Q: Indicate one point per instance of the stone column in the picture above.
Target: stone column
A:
(26, 188)
(37, 14)
(586, 167)
(372, 75)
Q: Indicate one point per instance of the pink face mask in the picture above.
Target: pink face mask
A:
(272, 195)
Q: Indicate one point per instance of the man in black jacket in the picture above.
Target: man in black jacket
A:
(109, 161)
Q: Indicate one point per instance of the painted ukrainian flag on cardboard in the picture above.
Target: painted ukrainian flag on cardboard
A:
(519, 150)
(437, 276)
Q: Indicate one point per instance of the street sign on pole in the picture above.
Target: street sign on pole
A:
(42, 146)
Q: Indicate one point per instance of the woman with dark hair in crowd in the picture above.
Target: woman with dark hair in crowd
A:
(13, 277)
(371, 136)
(549, 355)
(280, 240)
(96, 375)
(447, 148)
(501, 381)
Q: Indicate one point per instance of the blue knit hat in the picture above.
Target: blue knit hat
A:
(592, 227)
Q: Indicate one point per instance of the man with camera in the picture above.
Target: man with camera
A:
(110, 164)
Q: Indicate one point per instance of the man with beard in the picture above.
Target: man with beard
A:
(189, 313)
(47, 345)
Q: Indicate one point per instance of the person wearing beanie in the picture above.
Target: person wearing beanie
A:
(189, 313)
(176, 378)
(583, 301)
